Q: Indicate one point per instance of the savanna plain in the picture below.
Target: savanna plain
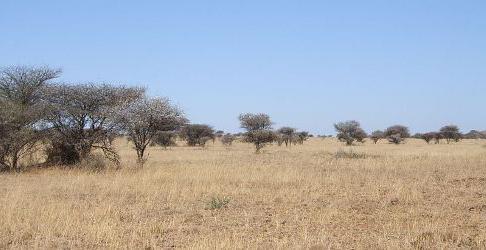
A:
(320, 195)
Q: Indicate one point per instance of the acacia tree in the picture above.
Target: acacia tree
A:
(474, 134)
(21, 108)
(197, 134)
(397, 134)
(428, 137)
(83, 117)
(287, 134)
(377, 135)
(451, 133)
(227, 139)
(302, 136)
(258, 129)
(219, 133)
(165, 139)
(349, 132)
(145, 118)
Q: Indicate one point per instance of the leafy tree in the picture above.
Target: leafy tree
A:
(287, 134)
(260, 138)
(219, 133)
(377, 135)
(474, 134)
(197, 134)
(397, 134)
(302, 136)
(165, 139)
(349, 132)
(258, 129)
(21, 109)
(146, 119)
(252, 122)
(428, 137)
(227, 139)
(83, 117)
(451, 133)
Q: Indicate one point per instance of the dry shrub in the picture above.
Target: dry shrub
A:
(350, 154)
(217, 203)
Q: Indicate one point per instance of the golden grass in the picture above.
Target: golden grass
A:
(406, 196)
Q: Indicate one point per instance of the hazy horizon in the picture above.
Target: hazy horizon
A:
(307, 65)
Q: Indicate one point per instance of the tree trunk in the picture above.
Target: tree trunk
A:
(15, 161)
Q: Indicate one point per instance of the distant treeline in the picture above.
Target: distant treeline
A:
(67, 122)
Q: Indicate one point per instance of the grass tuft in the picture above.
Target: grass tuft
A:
(217, 203)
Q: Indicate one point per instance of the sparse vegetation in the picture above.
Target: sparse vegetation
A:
(67, 137)
(349, 154)
(381, 186)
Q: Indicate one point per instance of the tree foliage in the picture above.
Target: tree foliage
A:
(145, 118)
(228, 139)
(287, 134)
(302, 136)
(258, 129)
(165, 139)
(451, 133)
(377, 135)
(21, 109)
(350, 131)
(397, 134)
(197, 134)
(83, 117)
(428, 137)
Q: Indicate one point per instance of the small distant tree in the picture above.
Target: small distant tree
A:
(451, 133)
(146, 118)
(428, 137)
(474, 134)
(349, 132)
(227, 139)
(302, 136)
(258, 129)
(377, 135)
(219, 133)
(397, 134)
(260, 138)
(252, 122)
(165, 139)
(279, 139)
(437, 137)
(287, 134)
(197, 134)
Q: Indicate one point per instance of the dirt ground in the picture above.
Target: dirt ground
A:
(318, 195)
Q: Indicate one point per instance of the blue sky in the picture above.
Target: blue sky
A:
(308, 64)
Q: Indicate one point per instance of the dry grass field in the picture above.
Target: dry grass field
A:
(318, 195)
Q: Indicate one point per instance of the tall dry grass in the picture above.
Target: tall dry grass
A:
(318, 195)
